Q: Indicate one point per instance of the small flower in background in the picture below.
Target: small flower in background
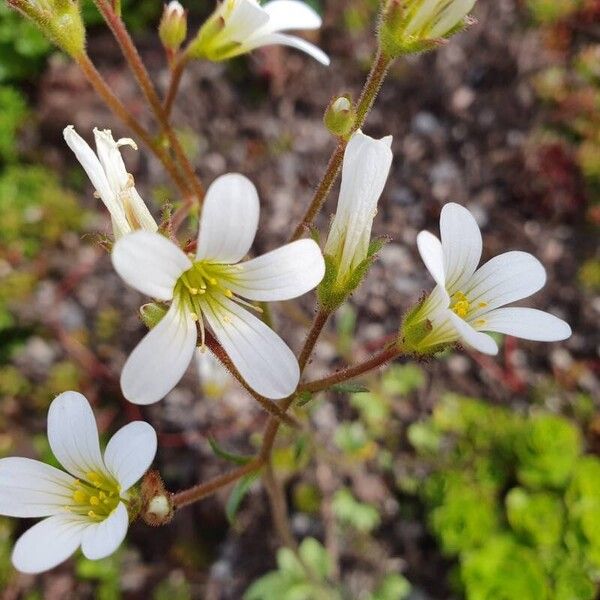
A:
(214, 377)
(89, 506)
(240, 26)
(214, 285)
(366, 167)
(467, 301)
(410, 26)
(113, 184)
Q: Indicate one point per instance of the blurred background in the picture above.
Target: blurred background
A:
(467, 477)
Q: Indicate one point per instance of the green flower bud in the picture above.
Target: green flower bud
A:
(411, 26)
(59, 20)
(340, 116)
(173, 26)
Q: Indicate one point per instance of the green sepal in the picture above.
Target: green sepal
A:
(152, 314)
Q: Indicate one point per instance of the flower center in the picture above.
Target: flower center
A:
(205, 284)
(96, 497)
(461, 305)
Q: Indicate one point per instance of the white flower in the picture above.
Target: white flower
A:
(85, 507)
(210, 286)
(365, 170)
(468, 301)
(239, 26)
(214, 377)
(113, 184)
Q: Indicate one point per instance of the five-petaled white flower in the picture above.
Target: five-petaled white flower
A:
(113, 184)
(467, 301)
(210, 286)
(367, 163)
(239, 26)
(85, 507)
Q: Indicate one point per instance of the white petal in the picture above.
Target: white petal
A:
(504, 279)
(480, 341)
(73, 435)
(94, 170)
(29, 488)
(159, 361)
(451, 17)
(285, 273)
(102, 539)
(527, 323)
(366, 167)
(246, 18)
(150, 263)
(290, 14)
(430, 249)
(229, 219)
(258, 353)
(462, 244)
(282, 39)
(130, 453)
(48, 543)
(111, 159)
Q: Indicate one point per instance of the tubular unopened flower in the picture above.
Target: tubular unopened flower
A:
(367, 163)
(340, 116)
(215, 286)
(410, 26)
(239, 26)
(113, 184)
(86, 506)
(468, 301)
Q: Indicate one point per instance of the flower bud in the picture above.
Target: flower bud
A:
(157, 504)
(152, 314)
(410, 26)
(349, 250)
(173, 26)
(340, 116)
(59, 20)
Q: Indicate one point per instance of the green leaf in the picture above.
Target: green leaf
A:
(349, 387)
(363, 517)
(393, 587)
(242, 487)
(238, 459)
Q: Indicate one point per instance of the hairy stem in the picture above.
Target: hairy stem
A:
(140, 72)
(202, 490)
(315, 331)
(116, 106)
(369, 93)
(376, 361)
(176, 73)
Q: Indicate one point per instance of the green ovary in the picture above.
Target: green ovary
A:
(96, 497)
(203, 281)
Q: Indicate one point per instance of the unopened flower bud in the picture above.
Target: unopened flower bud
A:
(152, 314)
(157, 504)
(410, 26)
(59, 20)
(173, 26)
(340, 116)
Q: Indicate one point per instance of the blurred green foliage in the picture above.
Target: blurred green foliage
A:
(513, 498)
(550, 11)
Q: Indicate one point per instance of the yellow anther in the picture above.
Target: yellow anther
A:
(92, 515)
(102, 495)
(212, 281)
(480, 322)
(80, 496)
(94, 500)
(460, 304)
(482, 305)
(93, 477)
(229, 293)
